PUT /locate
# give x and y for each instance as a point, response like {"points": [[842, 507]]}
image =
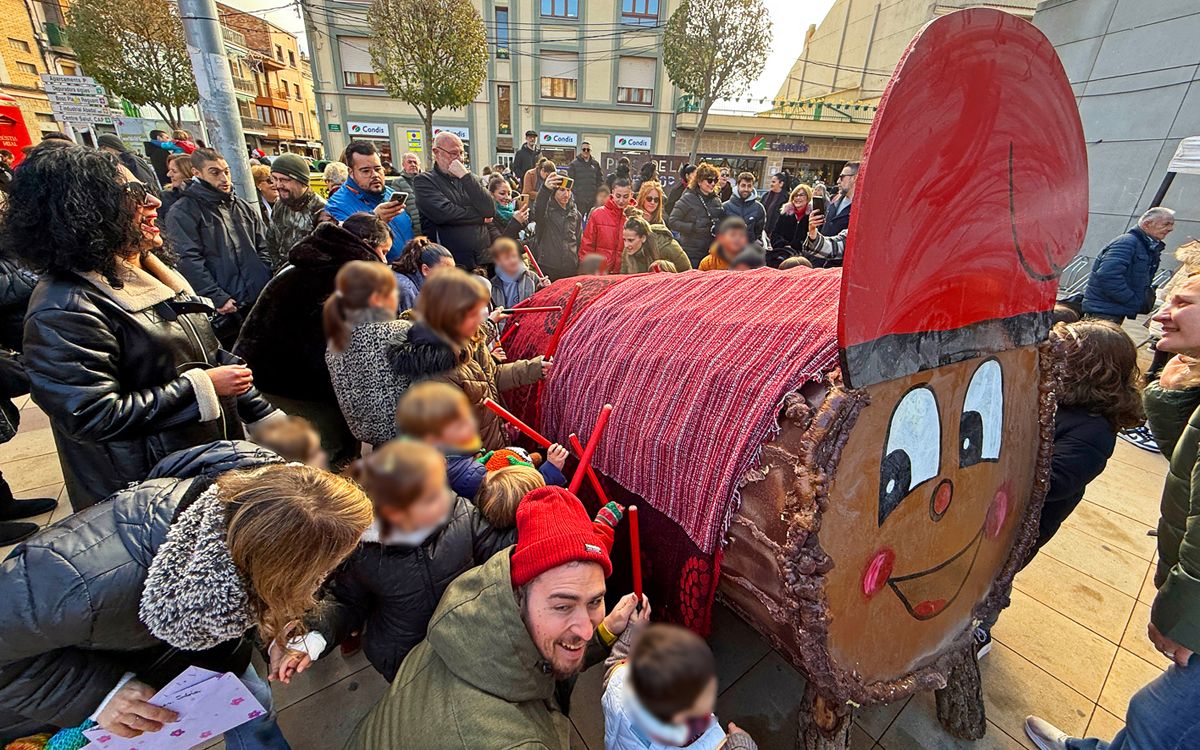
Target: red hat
{"points": [[554, 529]]}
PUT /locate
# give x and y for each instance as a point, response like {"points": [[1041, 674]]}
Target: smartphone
{"points": [[818, 204], [522, 199], [400, 196], [567, 184], [561, 170]]}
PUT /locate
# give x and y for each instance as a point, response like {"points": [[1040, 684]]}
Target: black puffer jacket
{"points": [[588, 178], [695, 217], [452, 214], [222, 245], [389, 591], [117, 371], [557, 235], [16, 287], [71, 593], [283, 338]]}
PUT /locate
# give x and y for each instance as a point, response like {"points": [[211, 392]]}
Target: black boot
{"points": [[12, 509], [12, 532]]}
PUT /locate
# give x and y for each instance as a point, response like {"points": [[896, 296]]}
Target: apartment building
{"points": [[21, 65], [573, 70]]}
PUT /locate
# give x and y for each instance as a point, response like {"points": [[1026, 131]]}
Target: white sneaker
{"points": [[1045, 735]]}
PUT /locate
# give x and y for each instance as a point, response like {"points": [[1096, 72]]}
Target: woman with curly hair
{"points": [[698, 213], [118, 347], [1100, 395], [421, 257], [650, 200]]}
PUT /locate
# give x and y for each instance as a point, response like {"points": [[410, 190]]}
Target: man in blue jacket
{"points": [[1119, 286], [365, 190], [745, 204]]}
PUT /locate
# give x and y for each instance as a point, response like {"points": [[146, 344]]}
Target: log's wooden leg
{"points": [[960, 703], [824, 723]]}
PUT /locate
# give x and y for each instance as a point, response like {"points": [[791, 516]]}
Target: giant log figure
{"points": [[856, 457]]}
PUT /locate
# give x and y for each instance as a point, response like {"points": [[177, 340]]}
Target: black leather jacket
{"points": [[108, 371], [70, 620]]}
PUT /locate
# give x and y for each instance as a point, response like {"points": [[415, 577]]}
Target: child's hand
{"points": [[286, 663], [546, 365], [621, 615], [544, 282], [498, 315], [499, 353], [556, 455]]}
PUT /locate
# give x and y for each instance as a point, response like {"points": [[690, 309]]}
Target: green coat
{"points": [[477, 681], [660, 245], [1174, 418]]}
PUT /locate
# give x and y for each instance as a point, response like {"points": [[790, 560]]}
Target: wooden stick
{"points": [[585, 461], [527, 310], [562, 321], [515, 421], [591, 473], [635, 549], [533, 262]]}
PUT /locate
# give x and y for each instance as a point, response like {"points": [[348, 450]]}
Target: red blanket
{"points": [[696, 366]]}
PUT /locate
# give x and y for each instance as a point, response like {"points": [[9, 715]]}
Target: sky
{"points": [[791, 20]]}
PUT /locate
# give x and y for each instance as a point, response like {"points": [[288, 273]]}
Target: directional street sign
{"points": [[78, 99]]}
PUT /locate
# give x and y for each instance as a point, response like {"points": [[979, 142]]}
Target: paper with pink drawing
{"points": [[208, 704]]}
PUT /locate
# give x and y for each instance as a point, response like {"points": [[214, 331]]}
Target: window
{"points": [[560, 73], [502, 33], [68, 69], [560, 8], [640, 12], [504, 109], [291, 58], [303, 125], [264, 113], [20, 45], [29, 68], [635, 80], [278, 53], [357, 70], [296, 89], [282, 117]]}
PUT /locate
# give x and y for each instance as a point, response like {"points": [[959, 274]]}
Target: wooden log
{"points": [[960, 704]]}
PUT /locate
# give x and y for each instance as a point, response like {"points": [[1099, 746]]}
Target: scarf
{"points": [[504, 213], [195, 598]]}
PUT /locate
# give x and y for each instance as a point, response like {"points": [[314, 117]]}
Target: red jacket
{"points": [[603, 234]]}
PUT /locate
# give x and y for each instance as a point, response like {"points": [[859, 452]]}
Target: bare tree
{"points": [[136, 50], [714, 49], [431, 54]]}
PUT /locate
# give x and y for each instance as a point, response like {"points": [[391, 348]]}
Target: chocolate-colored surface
{"points": [[809, 522]]}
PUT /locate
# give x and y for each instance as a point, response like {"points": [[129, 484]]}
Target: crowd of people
{"points": [[211, 385]]}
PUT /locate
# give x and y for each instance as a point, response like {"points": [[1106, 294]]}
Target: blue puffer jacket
{"points": [[1122, 274]]}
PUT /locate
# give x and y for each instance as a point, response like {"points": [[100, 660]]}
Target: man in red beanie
{"points": [[508, 638]]}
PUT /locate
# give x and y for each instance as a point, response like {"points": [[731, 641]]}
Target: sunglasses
{"points": [[709, 180], [586, 150], [138, 192], [651, 199]]}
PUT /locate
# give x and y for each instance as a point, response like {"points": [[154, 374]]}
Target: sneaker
{"points": [[1139, 437], [1045, 735], [14, 509], [983, 642], [12, 532]]}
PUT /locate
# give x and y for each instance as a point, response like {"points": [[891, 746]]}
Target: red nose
{"points": [[878, 571], [940, 502]]}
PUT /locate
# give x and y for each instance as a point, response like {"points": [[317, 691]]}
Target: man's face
{"points": [[287, 188], [447, 151], [846, 180], [622, 195], [561, 609], [367, 173], [776, 185], [215, 173], [745, 188], [1180, 320], [410, 164], [586, 151], [531, 140], [1159, 229]]}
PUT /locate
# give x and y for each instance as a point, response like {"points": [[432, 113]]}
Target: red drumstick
{"points": [[513, 326], [591, 473], [515, 421], [562, 321], [585, 461], [635, 548], [533, 262], [526, 310]]}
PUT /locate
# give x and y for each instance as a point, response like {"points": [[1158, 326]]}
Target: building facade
{"points": [[573, 70], [22, 62], [1135, 70]]}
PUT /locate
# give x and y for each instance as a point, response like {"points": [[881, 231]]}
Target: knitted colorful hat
{"points": [[505, 457], [554, 529]]}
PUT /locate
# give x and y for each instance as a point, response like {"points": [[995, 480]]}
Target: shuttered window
{"points": [[635, 80], [357, 70], [560, 75]]}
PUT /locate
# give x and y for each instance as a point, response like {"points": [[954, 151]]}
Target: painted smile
{"points": [[928, 593]]}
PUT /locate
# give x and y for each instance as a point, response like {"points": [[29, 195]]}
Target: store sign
{"points": [[760, 143], [462, 133], [558, 139], [414, 139], [632, 142], [335, 127], [369, 129]]}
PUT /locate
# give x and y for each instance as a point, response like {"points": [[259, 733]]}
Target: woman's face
{"points": [[502, 194], [633, 241], [472, 320], [800, 202], [563, 196], [146, 212], [176, 176], [707, 185], [267, 188], [650, 202], [383, 248], [442, 262]]}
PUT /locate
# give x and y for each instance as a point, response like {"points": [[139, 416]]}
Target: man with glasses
{"points": [[454, 204], [588, 177], [297, 208], [837, 218], [365, 190]]}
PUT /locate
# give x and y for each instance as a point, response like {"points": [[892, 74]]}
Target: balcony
{"points": [[253, 124], [244, 86], [233, 37], [280, 93], [56, 35]]}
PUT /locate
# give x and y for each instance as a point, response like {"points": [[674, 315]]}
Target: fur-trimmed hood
{"points": [[424, 354], [329, 244]]}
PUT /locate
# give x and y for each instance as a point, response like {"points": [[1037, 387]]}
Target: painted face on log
{"points": [[925, 506]]}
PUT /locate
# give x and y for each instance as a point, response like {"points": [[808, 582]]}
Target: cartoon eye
{"points": [[913, 451], [979, 431]]}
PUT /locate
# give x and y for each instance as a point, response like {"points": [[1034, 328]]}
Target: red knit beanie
{"points": [[553, 529]]}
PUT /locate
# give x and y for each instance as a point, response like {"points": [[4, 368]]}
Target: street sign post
{"points": [[78, 100]]}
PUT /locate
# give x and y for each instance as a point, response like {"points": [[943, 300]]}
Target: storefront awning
{"points": [[1187, 156]]}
